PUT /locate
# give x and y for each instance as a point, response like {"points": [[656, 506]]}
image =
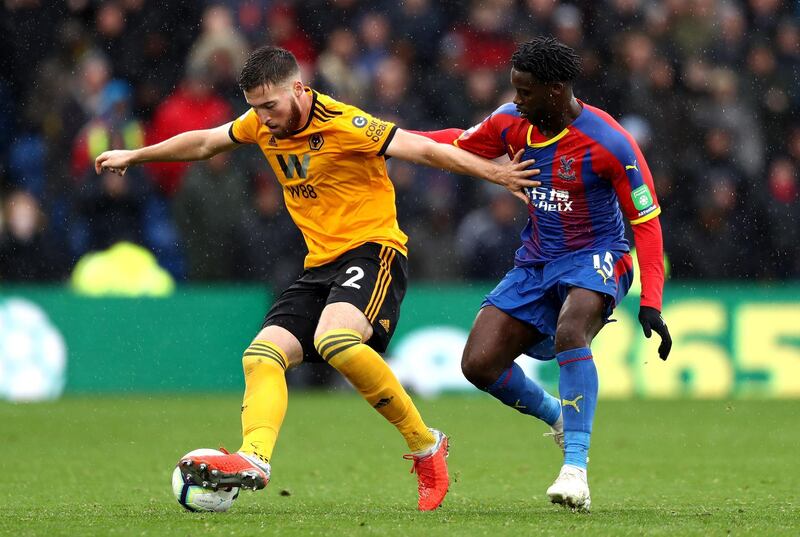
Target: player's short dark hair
{"points": [[267, 65], [547, 59]]}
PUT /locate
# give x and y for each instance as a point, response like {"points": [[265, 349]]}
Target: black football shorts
{"points": [[372, 277]]}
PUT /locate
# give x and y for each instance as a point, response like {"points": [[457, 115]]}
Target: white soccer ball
{"points": [[196, 498]]}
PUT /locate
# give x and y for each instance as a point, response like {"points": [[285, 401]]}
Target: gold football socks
{"points": [[375, 381], [265, 398]]}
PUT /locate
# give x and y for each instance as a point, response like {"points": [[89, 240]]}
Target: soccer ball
{"points": [[196, 498]]}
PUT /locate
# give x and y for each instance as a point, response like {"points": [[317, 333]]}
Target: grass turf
{"points": [[102, 465]]}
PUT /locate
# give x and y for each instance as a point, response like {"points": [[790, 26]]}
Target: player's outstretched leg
{"points": [[226, 470], [523, 394], [263, 410], [495, 341], [375, 381], [578, 389]]}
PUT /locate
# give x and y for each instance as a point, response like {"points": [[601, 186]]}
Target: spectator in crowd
{"points": [[434, 234], [446, 102], [724, 107], [417, 26], [486, 41], [769, 89], [266, 238], [28, 252], [730, 47], [194, 105], [489, 235], [714, 229], [284, 31], [86, 93], [221, 49], [375, 34], [337, 75], [716, 83], [207, 212], [568, 25], [481, 91], [783, 209], [391, 98], [112, 127]]}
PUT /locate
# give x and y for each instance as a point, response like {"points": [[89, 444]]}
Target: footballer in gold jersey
{"points": [[333, 174], [344, 307]]}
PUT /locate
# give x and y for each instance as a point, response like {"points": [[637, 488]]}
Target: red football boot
{"points": [[431, 469], [225, 470]]}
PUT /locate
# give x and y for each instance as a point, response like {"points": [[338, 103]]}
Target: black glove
{"points": [[650, 319]]}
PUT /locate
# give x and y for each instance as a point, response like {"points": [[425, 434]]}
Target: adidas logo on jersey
{"points": [[385, 323]]}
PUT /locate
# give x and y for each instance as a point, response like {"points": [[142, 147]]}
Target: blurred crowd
{"points": [[709, 88]]}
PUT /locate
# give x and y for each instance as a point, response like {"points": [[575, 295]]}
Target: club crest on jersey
{"points": [[360, 122], [315, 142], [565, 171]]}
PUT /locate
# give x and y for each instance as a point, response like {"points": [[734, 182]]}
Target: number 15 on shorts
{"points": [[604, 267]]}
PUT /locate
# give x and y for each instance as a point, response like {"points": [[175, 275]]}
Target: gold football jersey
{"points": [[333, 176]]}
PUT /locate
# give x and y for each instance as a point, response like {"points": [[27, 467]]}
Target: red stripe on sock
{"points": [[508, 377], [578, 359]]}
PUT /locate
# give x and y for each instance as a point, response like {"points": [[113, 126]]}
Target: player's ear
{"points": [[557, 88], [298, 88]]}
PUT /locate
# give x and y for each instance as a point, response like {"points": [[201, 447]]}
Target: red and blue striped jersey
{"points": [[592, 173]]}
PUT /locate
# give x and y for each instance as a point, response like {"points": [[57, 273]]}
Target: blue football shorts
{"points": [[535, 294]]}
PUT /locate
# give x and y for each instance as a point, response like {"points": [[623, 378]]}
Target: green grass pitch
{"points": [[101, 466]]}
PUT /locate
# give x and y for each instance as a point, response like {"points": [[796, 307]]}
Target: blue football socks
{"points": [[519, 392], [577, 386]]}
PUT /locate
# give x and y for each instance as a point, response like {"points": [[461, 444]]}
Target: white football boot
{"points": [[571, 489]]}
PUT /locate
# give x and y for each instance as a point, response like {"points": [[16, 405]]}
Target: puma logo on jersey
{"points": [[519, 406], [573, 403], [633, 166]]}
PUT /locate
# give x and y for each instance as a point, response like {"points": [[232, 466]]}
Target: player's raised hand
{"points": [[116, 161], [651, 321], [517, 175]]}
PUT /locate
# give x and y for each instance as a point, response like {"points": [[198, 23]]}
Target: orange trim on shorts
{"points": [[381, 284]]}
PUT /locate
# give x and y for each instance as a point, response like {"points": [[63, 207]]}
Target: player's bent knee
{"points": [[474, 370], [340, 316], [333, 342], [262, 352], [569, 336]]}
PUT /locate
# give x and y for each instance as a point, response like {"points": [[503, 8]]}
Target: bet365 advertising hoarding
{"points": [[729, 341]]}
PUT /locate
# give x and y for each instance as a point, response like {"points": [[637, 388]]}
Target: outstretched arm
{"points": [[515, 175], [444, 136], [190, 145]]}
